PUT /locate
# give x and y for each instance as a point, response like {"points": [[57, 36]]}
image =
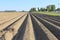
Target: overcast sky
{"points": [[25, 4]]}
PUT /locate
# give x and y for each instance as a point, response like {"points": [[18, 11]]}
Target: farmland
{"points": [[29, 26]]}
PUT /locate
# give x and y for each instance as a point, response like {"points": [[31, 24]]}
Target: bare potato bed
{"points": [[5, 16], [6, 19], [25, 26]]}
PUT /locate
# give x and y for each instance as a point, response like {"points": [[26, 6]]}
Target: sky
{"points": [[20, 5]]}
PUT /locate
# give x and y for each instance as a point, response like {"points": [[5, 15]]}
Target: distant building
{"points": [[56, 10]]}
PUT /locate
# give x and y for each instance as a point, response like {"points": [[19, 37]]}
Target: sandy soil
{"points": [[9, 18]]}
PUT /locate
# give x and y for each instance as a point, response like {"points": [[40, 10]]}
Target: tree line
{"points": [[48, 8]]}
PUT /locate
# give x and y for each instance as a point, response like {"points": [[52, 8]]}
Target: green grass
{"points": [[51, 13]]}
